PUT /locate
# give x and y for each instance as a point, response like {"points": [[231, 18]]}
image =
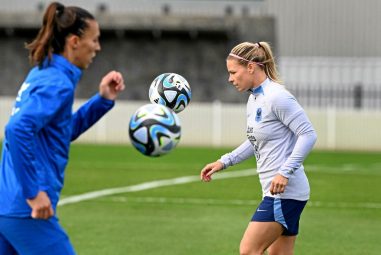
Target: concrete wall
{"points": [[140, 59], [141, 56], [224, 124]]}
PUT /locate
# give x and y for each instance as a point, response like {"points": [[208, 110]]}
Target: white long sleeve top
{"points": [[280, 136]]}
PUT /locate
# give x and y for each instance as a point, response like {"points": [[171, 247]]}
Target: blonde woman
{"points": [[280, 136]]}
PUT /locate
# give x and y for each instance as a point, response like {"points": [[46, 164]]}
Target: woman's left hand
{"points": [[111, 85], [278, 184]]}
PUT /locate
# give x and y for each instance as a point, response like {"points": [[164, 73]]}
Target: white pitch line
{"points": [[150, 185], [177, 200], [184, 180]]}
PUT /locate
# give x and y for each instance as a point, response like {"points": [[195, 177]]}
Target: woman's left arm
{"points": [[94, 109], [291, 114]]}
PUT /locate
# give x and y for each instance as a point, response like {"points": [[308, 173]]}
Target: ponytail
{"points": [[260, 53], [58, 22]]}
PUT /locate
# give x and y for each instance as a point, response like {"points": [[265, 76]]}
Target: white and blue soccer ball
{"points": [[171, 90], [154, 130]]}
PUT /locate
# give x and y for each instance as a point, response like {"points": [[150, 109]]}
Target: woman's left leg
{"points": [[284, 245], [259, 236]]}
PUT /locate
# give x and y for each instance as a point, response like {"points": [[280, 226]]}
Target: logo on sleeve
{"points": [[23, 88]]}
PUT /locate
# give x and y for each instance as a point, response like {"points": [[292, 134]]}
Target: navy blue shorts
{"points": [[285, 211], [33, 237]]}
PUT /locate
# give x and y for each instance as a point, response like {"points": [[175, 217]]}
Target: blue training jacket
{"points": [[38, 135]]}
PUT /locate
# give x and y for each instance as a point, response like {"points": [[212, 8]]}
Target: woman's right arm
{"points": [[241, 153]]}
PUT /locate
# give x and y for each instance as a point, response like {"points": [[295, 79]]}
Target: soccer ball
{"points": [[154, 130], [171, 90]]}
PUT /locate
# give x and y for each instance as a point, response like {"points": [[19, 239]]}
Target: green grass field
{"points": [[342, 217]]}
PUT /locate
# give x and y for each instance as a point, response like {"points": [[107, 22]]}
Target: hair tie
{"points": [[59, 9]]}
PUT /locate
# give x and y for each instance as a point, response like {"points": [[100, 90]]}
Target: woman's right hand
{"points": [[41, 206], [209, 169]]}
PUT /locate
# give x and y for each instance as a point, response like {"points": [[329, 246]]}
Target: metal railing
{"points": [[354, 96]]}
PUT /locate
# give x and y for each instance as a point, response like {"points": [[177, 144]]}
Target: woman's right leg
{"points": [[5, 247], [259, 236], [35, 237]]}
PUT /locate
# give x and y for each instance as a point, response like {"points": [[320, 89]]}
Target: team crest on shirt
{"points": [[258, 116]]}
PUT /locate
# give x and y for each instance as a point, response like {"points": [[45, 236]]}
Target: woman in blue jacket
{"points": [[41, 126]]}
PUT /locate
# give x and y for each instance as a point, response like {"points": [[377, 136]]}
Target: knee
{"points": [[243, 251], [246, 250], [272, 251]]}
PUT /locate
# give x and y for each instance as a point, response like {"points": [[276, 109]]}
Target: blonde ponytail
{"points": [[260, 53]]}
